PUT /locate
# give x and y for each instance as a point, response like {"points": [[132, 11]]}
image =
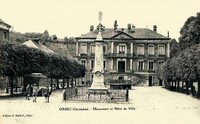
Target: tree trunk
{"points": [[187, 87], [178, 85], [7, 86], [72, 83], [67, 82], [16, 84], [198, 92], [166, 84], [182, 86], [24, 86], [63, 83], [11, 85], [51, 82], [172, 85], [75, 82], [175, 88], [192, 88], [57, 86]]}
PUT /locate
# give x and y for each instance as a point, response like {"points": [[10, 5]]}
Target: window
{"points": [[92, 77], [161, 49], [104, 49], [140, 49], [92, 64], [151, 49], [160, 62], [121, 78], [4, 35], [141, 65], [104, 64], [83, 62], [84, 48], [121, 49], [121, 66], [92, 49], [151, 66]]}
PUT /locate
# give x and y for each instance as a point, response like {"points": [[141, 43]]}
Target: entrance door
{"points": [[160, 82], [150, 80], [121, 66]]}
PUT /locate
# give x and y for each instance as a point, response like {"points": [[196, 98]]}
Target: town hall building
{"points": [[130, 54]]}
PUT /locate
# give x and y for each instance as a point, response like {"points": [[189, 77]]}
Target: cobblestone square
{"points": [[147, 105]]}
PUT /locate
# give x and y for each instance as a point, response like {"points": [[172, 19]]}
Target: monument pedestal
{"points": [[98, 91]]}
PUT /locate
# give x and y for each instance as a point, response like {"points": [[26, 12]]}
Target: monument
{"points": [[98, 86]]}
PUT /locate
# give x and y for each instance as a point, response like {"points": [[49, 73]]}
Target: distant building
{"points": [[130, 53], [4, 30], [37, 45]]}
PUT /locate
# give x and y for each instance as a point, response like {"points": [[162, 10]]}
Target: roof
{"points": [[31, 44], [4, 25], [2, 21], [138, 33], [40, 46]]}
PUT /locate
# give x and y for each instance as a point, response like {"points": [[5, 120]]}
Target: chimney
{"points": [[115, 25], [91, 27], [155, 28], [168, 34], [129, 28]]}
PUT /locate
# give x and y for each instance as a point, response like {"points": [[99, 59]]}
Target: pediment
{"points": [[122, 35]]}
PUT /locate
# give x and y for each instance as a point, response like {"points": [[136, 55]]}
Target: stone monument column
{"points": [[98, 72]]}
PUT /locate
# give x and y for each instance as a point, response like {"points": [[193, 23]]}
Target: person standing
{"points": [[35, 92], [28, 92], [47, 94]]}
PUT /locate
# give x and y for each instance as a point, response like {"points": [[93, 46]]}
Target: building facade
{"points": [[130, 54], [4, 30]]}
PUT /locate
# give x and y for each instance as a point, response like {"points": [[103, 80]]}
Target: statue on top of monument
{"points": [[100, 16]]}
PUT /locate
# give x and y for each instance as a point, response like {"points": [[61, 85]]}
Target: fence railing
{"points": [[83, 94], [69, 93]]}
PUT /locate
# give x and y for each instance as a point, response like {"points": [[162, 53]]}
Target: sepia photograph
{"points": [[99, 61]]}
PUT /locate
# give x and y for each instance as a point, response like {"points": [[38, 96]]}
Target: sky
{"points": [[74, 17]]}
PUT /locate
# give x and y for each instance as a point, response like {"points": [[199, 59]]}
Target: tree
{"points": [[174, 48], [30, 35], [185, 67], [190, 32], [66, 39], [53, 38], [70, 40], [19, 60], [18, 37], [45, 37], [12, 62]]}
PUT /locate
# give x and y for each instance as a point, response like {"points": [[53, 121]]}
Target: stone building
{"points": [[130, 54], [4, 30]]}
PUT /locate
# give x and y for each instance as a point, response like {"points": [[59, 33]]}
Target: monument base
{"points": [[98, 90]]}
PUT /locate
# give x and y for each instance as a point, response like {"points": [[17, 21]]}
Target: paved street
{"points": [[147, 105]]}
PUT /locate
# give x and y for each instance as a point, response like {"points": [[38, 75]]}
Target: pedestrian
{"points": [[64, 94], [47, 94], [35, 92], [28, 92], [50, 90]]}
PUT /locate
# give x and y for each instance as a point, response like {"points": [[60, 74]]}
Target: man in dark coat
{"points": [[28, 92], [47, 94]]}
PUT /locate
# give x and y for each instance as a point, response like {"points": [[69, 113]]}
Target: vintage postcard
{"points": [[99, 61]]}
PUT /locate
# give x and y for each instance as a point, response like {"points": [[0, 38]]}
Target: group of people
{"points": [[33, 91]]}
